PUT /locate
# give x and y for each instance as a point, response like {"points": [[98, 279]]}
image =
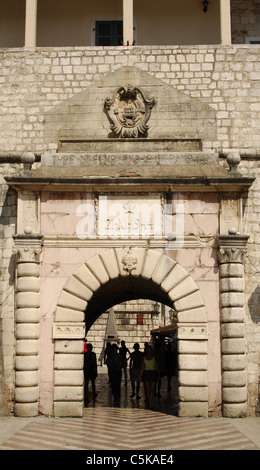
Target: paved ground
{"points": [[129, 426]]}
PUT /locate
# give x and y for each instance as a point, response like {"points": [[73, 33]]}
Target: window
{"points": [[109, 33]]}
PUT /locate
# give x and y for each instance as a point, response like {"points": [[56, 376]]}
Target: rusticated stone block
{"points": [[69, 346], [27, 346], [26, 410], [192, 347], [193, 378], [68, 393], [192, 362], [27, 315], [234, 378], [27, 330], [233, 361], [231, 270], [28, 284], [68, 377], [233, 284], [233, 330], [232, 314], [28, 269], [68, 408], [28, 300], [234, 410], [193, 409], [27, 362], [68, 361], [26, 378], [233, 346], [232, 299], [26, 394], [193, 393], [234, 394]]}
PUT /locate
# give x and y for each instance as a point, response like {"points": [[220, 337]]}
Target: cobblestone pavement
{"points": [[129, 426]]}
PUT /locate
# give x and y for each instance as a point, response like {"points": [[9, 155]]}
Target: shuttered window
{"points": [[109, 33]]}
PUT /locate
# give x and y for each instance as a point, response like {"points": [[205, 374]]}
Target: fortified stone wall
{"points": [[226, 78]]}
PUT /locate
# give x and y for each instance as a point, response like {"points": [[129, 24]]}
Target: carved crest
{"points": [[128, 112], [129, 262]]}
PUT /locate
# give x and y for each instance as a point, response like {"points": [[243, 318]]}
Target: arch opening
{"points": [[121, 290], [117, 275]]}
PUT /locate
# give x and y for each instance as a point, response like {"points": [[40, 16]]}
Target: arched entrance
{"points": [[128, 273]]}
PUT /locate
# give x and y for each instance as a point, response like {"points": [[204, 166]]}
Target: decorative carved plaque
{"points": [[192, 331], [128, 112], [68, 330]]}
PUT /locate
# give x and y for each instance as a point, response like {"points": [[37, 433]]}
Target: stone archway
{"points": [[69, 325]]}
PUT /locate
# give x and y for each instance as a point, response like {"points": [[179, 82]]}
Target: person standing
{"points": [[149, 374], [123, 352], [90, 371], [114, 364], [134, 368]]}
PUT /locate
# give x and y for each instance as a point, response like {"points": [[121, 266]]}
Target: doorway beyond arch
{"points": [[127, 273]]}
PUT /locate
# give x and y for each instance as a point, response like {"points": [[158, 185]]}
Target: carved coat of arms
{"points": [[128, 112]]}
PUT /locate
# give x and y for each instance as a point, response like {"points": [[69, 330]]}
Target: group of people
{"points": [[148, 367]]}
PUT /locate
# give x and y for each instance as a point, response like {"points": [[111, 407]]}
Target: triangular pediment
{"points": [[175, 115]]}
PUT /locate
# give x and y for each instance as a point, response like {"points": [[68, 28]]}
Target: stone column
{"points": [[232, 249], [27, 248], [128, 22], [30, 23], [225, 22]]}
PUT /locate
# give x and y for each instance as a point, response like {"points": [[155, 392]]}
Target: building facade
{"points": [[129, 156]]}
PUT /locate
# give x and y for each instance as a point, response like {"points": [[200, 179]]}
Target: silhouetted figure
{"points": [[123, 350], [136, 358], [149, 373], [106, 355], [90, 371], [114, 364], [160, 359], [171, 363]]}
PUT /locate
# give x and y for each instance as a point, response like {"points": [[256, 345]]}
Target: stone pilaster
{"points": [[68, 368], [27, 249], [232, 250]]}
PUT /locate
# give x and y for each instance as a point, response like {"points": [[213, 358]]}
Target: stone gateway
{"points": [[130, 184]]}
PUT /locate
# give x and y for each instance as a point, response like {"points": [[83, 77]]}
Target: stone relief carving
{"points": [[129, 262], [69, 330], [128, 112]]}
